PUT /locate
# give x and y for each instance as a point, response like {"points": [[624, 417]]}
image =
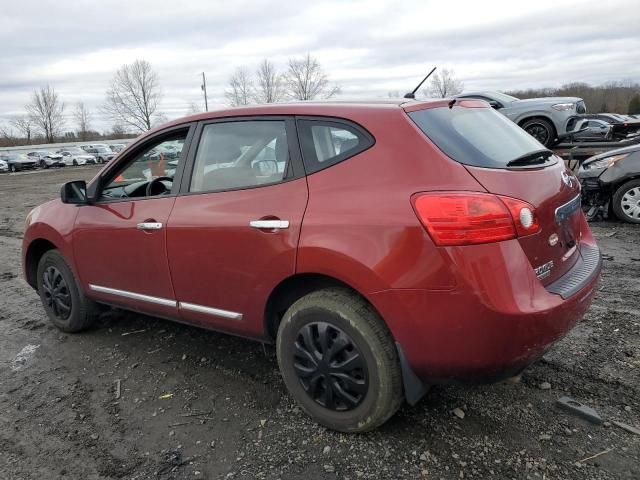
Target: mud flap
{"points": [[414, 388]]}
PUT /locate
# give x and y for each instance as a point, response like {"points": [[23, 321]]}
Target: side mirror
{"points": [[495, 104], [74, 193]]}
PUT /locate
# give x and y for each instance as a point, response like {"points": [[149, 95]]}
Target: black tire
{"points": [[540, 129], [75, 163], [12, 168], [626, 202], [80, 312], [100, 160], [43, 164], [373, 383]]}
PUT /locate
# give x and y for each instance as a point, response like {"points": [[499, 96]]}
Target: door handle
{"points": [[149, 226], [269, 224]]}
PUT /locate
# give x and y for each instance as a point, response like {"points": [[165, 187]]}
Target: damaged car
{"points": [[611, 183]]}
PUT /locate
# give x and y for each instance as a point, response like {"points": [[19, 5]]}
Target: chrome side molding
{"points": [[210, 311], [217, 312], [134, 296]]}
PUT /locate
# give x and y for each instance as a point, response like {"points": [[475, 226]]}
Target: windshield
{"points": [[16, 156], [475, 136], [103, 150], [75, 150]]}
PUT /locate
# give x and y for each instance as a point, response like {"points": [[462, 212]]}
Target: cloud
{"points": [[368, 47]]}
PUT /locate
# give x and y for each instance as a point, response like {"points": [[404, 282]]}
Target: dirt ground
{"points": [[197, 404]]}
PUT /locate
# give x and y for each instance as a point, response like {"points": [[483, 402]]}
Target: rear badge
{"points": [[553, 239], [543, 271]]}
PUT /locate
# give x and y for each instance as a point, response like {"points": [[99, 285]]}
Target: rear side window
{"points": [[325, 143], [240, 154], [480, 137]]}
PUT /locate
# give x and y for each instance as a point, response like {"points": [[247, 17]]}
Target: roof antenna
{"points": [[413, 94]]}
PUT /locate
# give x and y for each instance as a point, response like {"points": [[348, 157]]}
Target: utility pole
{"points": [[204, 89]]}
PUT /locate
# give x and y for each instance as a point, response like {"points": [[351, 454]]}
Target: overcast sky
{"points": [[367, 47]]}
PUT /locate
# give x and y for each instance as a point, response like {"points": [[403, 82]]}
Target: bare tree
{"points": [[240, 88], [45, 111], [133, 97], [305, 79], [83, 119], [193, 108], [269, 84], [445, 84], [7, 138], [24, 125]]}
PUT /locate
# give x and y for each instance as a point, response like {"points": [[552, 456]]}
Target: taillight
{"points": [[523, 214], [467, 218]]}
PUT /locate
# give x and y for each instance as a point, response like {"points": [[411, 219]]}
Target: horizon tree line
{"points": [[133, 97]]}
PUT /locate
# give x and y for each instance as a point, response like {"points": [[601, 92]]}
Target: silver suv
{"points": [[548, 119]]}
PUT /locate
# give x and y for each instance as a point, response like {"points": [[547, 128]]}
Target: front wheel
{"points": [[75, 163], [13, 169], [43, 164], [540, 129], [66, 306], [338, 361], [626, 202]]}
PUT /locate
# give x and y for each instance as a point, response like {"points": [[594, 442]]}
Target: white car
{"points": [[4, 166], [76, 156]]}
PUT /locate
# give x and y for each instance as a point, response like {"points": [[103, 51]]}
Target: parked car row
{"points": [[65, 157], [554, 119]]}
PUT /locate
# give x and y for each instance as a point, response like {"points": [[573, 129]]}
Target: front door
{"points": [[233, 234], [120, 241]]}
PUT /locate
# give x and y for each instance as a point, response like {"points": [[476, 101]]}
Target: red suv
{"points": [[383, 246]]}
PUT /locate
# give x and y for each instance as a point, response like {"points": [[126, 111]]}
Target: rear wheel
{"points": [[12, 168], [338, 361], [43, 164], [540, 129], [67, 308], [626, 202]]}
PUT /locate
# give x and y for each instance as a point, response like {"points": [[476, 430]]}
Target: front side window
{"points": [[325, 143], [240, 154], [149, 172]]}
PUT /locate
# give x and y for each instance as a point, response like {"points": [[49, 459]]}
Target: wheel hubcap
{"points": [[330, 367], [539, 132], [631, 203], [56, 293]]}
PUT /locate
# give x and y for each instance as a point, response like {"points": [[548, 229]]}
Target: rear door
{"points": [[487, 143], [233, 233]]}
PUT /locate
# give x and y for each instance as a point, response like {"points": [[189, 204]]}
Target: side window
{"points": [[137, 176], [325, 143], [240, 154]]}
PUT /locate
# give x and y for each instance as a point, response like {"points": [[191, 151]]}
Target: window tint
{"points": [[326, 143], [157, 160], [475, 136], [240, 154]]}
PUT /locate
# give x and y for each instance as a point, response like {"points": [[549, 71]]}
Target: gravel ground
{"points": [[197, 404]]}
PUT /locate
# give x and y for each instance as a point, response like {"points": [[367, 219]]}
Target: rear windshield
{"points": [[480, 137]]}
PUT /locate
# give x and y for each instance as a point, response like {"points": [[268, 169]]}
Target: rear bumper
{"points": [[495, 322]]}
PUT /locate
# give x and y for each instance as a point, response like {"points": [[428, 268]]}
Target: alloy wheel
{"points": [[631, 203], [56, 293], [539, 132], [329, 366]]}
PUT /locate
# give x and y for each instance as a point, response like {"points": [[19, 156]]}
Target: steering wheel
{"points": [[153, 187]]}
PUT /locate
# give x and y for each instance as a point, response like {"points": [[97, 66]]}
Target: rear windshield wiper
{"points": [[531, 158]]}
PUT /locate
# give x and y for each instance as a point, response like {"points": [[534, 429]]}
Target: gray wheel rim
{"points": [[56, 293], [539, 132], [630, 203]]}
